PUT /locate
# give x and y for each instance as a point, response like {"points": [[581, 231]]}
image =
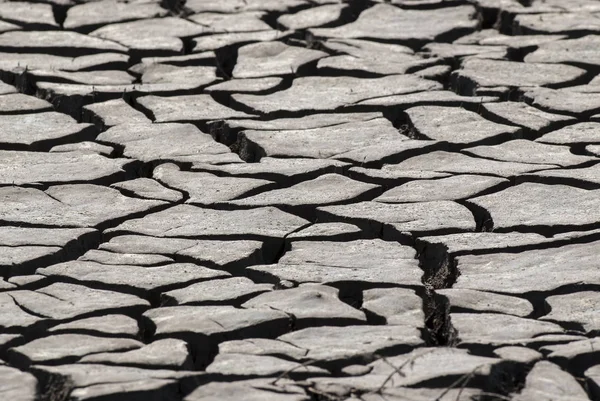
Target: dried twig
{"points": [[398, 369], [499, 396], [462, 381], [290, 370]]}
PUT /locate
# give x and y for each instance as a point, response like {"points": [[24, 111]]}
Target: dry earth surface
{"points": [[264, 200]]}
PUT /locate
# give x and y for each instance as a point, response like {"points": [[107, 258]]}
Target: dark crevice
{"points": [[438, 324], [29, 26], [373, 318], [488, 16], [60, 13], [580, 149], [309, 212], [439, 267], [505, 379], [583, 80], [52, 387], [185, 194], [25, 309], [578, 363], [549, 231], [483, 218], [226, 59], [176, 7], [548, 180], [358, 173], [488, 191], [147, 112], [283, 180], [399, 156]]}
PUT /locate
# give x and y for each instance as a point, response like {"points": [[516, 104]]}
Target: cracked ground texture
{"points": [[300, 200]]}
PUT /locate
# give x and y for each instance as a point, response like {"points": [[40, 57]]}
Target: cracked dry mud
{"points": [[296, 200]]}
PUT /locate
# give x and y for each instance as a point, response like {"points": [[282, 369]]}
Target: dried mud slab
{"points": [[311, 17], [324, 190], [137, 279], [59, 43], [499, 329], [459, 163], [523, 151], [421, 218], [17, 385], [311, 305], [363, 56], [187, 108], [399, 306], [24, 14], [330, 93], [341, 345], [191, 221], [490, 73], [587, 177], [523, 115], [206, 188], [463, 300], [272, 58], [64, 347], [147, 188], [451, 188], [323, 262], [562, 385], [286, 171], [89, 381], [150, 36], [18, 103], [214, 292], [41, 130], [61, 301], [456, 125], [84, 17], [533, 270], [419, 366], [386, 22], [563, 101], [39, 60], [161, 354], [582, 51], [317, 143], [109, 324], [79, 205], [231, 6], [581, 133], [538, 207], [225, 253], [574, 308], [551, 23], [217, 22], [252, 389], [169, 142]]}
